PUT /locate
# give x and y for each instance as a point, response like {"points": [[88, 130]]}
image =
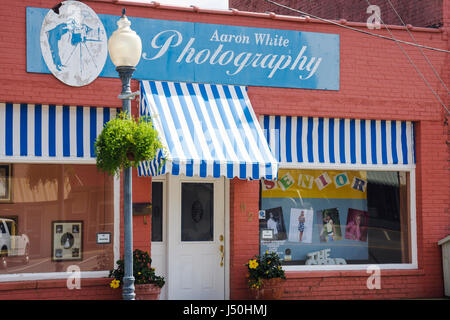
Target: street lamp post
{"points": [[125, 49]]}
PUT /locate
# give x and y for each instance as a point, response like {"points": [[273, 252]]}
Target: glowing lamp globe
{"points": [[124, 45]]}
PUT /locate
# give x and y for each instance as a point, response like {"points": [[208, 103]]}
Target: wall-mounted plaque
{"points": [[142, 209], [103, 237]]}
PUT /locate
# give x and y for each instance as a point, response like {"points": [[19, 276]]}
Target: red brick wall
{"points": [[376, 82], [244, 233], [352, 285], [142, 228], [446, 71], [90, 289], [415, 12]]}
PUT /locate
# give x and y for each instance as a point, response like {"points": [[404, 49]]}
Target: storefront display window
{"points": [[323, 217], [56, 216]]}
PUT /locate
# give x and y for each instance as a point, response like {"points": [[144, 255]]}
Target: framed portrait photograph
{"points": [[330, 226], [274, 220], [5, 182], [67, 240], [357, 225]]}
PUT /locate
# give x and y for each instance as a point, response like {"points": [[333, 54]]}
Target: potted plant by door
{"points": [[147, 284], [124, 142], [265, 276]]}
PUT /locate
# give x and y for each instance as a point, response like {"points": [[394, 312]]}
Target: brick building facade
{"points": [[427, 14]]}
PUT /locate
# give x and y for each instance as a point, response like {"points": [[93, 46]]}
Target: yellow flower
{"points": [[267, 251], [115, 284], [253, 264], [139, 272], [255, 286]]}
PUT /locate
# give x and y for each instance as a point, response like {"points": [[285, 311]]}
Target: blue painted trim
{"points": [[52, 130], [23, 129], [38, 130], [9, 129]]}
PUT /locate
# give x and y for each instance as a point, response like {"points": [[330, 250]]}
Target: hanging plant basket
{"points": [[130, 156], [124, 142]]}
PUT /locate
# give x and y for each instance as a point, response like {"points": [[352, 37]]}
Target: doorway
{"points": [[193, 252]]}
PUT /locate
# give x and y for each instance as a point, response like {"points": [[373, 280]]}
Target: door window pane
{"points": [[157, 211], [197, 212]]}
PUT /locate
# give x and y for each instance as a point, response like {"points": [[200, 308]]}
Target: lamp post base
{"points": [[128, 288]]}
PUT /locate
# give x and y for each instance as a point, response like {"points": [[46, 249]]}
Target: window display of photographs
{"points": [[274, 220], [330, 226], [357, 224], [67, 240]]}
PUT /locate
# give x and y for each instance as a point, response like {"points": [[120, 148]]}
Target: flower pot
{"points": [[148, 291], [271, 289]]}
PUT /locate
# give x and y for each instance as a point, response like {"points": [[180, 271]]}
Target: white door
{"points": [[196, 225]]}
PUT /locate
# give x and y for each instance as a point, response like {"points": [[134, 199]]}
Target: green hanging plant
{"points": [[124, 142]]}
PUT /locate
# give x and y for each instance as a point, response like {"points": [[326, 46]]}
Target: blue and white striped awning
{"points": [[339, 141], [207, 130], [50, 132]]}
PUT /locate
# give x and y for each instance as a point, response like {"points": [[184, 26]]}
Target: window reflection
{"points": [[53, 218]]}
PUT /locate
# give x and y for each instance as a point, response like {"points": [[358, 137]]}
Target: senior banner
{"points": [[307, 211]]}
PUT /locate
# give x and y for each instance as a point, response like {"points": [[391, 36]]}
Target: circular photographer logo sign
{"points": [[73, 43]]}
